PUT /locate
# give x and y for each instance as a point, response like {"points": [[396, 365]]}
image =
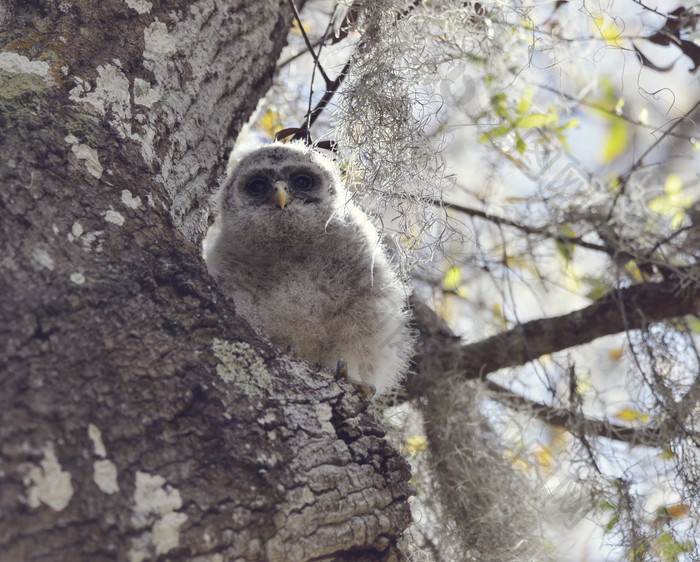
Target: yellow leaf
{"points": [[415, 444], [670, 204], [527, 23], [626, 414], [632, 268], [673, 184], [607, 28], [615, 140], [619, 105], [677, 219], [666, 454], [526, 101], [583, 385], [535, 120], [517, 462], [677, 510], [269, 123], [544, 457], [462, 291], [613, 185], [673, 203], [295, 27], [452, 279], [572, 281], [545, 359]]}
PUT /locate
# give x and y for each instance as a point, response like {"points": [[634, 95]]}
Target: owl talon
{"points": [[364, 388], [342, 369]]}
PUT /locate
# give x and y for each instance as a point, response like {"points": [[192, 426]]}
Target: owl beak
{"points": [[281, 194]]}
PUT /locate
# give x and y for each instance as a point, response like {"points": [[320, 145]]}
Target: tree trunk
{"points": [[139, 418]]}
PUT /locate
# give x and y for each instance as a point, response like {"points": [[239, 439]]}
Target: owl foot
{"points": [[364, 388]]}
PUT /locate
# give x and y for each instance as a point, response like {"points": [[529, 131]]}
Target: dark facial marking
{"points": [[301, 182], [257, 186]]}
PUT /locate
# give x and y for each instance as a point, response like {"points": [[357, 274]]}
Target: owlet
{"points": [[305, 266]]}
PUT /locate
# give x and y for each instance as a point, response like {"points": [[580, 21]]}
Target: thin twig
{"points": [[309, 46], [578, 425], [623, 178], [495, 219]]}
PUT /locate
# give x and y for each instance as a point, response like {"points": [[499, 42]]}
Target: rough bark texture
{"points": [[139, 419]]}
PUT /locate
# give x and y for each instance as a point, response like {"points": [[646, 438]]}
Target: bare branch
{"points": [[495, 219], [624, 309], [580, 426], [656, 142], [309, 46], [331, 86]]}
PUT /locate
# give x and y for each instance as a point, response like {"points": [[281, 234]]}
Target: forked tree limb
{"points": [[625, 309]]}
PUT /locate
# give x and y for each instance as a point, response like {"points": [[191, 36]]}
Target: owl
{"points": [[306, 267]]}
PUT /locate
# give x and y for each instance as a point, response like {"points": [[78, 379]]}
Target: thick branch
{"points": [[625, 309]]}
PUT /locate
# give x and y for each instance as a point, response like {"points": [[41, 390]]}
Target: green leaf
{"points": [[498, 102], [570, 124], [613, 521], [598, 290], [564, 249], [672, 549], [525, 102], [495, 133], [562, 140], [534, 120]]}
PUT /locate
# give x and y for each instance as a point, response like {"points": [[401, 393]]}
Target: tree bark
{"points": [[139, 418]]}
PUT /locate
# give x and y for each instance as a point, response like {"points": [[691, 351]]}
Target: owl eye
{"points": [[301, 182], [256, 187]]}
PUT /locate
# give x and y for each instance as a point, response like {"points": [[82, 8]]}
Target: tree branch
{"points": [[624, 309], [331, 86], [581, 426], [495, 219]]}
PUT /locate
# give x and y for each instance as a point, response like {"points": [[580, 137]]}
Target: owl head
{"points": [[280, 177]]}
